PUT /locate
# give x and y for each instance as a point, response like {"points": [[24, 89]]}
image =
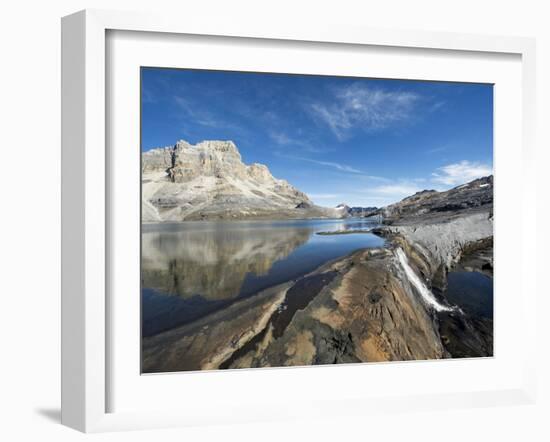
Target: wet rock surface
{"points": [[353, 310], [477, 257], [466, 337], [364, 315], [208, 342]]}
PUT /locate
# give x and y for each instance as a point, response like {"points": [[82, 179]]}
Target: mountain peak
{"points": [[343, 207], [209, 180]]}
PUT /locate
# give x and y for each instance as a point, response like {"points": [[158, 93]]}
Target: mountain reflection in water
{"points": [[190, 269]]}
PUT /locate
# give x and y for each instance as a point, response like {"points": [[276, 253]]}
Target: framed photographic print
{"points": [[257, 216]]}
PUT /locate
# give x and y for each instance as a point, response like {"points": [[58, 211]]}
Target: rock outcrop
{"points": [[210, 181], [432, 206], [441, 225], [366, 313], [363, 212], [209, 341], [442, 243], [443, 232], [358, 309]]}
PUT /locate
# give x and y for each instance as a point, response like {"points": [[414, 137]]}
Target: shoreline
{"points": [[250, 219], [342, 232]]}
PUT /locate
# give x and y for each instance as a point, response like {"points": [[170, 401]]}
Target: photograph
{"points": [[246, 221], [302, 220]]}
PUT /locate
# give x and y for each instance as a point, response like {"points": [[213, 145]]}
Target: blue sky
{"points": [[365, 142]]}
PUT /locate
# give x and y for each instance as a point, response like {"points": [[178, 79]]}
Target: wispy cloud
{"points": [[397, 190], [324, 196], [284, 140], [437, 149], [359, 174], [460, 173], [437, 105], [442, 179], [366, 107], [375, 178], [332, 164], [202, 117], [281, 138], [393, 191], [198, 116], [147, 95]]}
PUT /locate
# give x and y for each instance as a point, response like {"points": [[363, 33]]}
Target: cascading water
{"points": [[424, 291]]}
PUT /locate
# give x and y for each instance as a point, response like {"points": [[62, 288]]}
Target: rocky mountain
{"points": [[343, 209], [431, 205], [210, 181], [362, 211]]}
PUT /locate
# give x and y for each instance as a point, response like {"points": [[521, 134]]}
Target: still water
{"points": [[191, 269], [472, 292]]}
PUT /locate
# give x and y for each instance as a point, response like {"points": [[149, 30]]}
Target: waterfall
{"points": [[424, 291]]}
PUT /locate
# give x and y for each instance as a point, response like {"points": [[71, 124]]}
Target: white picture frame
{"points": [[87, 207]]}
